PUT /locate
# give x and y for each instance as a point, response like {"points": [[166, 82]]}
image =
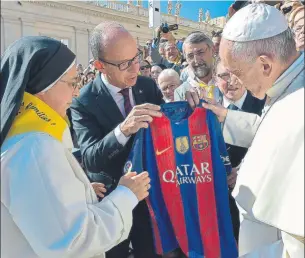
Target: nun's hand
{"points": [[139, 184], [99, 189]]}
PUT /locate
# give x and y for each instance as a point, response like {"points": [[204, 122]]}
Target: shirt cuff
{"points": [[121, 138], [123, 197]]}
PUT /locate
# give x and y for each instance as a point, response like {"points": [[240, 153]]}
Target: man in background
{"points": [[168, 81], [198, 51]]}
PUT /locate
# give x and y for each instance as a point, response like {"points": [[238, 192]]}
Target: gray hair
{"points": [[280, 47], [169, 73], [197, 38], [100, 34], [168, 43]]}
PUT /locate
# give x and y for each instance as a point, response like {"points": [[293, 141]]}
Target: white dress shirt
{"points": [[239, 103], [119, 100]]}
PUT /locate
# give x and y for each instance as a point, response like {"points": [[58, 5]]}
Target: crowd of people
{"points": [[250, 75]]}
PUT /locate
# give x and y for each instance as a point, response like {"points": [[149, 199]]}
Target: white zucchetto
{"points": [[255, 22]]}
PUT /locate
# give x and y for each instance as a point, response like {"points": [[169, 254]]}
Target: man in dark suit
{"points": [[107, 114], [235, 97]]}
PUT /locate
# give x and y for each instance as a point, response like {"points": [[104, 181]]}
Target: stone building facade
{"points": [[72, 21]]}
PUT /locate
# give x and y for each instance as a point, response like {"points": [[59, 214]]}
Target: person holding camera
{"points": [[172, 55]]}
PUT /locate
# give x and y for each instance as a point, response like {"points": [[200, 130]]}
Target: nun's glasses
{"points": [[73, 85]]}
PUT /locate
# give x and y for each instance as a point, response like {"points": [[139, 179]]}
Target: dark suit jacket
{"points": [[251, 105], [95, 116]]}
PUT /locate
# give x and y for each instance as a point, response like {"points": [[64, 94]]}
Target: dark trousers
{"points": [[140, 236], [234, 216]]}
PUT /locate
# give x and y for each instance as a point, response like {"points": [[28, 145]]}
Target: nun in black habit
{"points": [[48, 206]]}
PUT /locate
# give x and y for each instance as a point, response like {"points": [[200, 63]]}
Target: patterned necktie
{"points": [[127, 103], [233, 107]]}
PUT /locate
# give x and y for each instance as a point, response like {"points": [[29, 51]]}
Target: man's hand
{"points": [[169, 36], [138, 184], [139, 117], [232, 178], [99, 189], [193, 99]]}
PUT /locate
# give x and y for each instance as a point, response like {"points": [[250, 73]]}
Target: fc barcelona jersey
{"points": [[185, 156]]}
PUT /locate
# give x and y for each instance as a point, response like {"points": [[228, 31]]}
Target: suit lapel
{"points": [[107, 104], [138, 94]]}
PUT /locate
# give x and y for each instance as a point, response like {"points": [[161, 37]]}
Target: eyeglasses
{"points": [[199, 53], [169, 87], [225, 76], [126, 64], [73, 85], [145, 67]]}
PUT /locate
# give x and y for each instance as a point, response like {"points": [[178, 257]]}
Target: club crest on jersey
{"points": [[127, 167], [200, 142], [182, 144]]}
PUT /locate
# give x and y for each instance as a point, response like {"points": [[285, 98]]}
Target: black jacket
{"points": [[95, 116]]}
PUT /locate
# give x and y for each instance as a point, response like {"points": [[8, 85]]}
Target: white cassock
{"points": [[270, 186], [49, 208]]}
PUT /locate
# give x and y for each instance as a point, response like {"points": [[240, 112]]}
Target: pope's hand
{"points": [[217, 109], [137, 183], [99, 189]]}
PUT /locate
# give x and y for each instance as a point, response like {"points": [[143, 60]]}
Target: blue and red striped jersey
{"points": [[185, 155]]}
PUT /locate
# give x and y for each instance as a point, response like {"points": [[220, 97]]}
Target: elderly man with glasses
{"points": [[108, 112]]}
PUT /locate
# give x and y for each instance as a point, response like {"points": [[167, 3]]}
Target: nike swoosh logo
{"points": [[161, 152]]}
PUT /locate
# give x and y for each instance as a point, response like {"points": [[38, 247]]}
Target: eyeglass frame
{"points": [[74, 85], [169, 87], [130, 61], [191, 59], [225, 74]]}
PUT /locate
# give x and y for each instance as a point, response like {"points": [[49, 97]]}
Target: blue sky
{"points": [[190, 9]]}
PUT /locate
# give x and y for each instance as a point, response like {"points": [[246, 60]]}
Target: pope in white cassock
{"points": [[259, 49], [48, 206]]}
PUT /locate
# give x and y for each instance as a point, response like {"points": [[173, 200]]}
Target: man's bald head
{"points": [[104, 35]]}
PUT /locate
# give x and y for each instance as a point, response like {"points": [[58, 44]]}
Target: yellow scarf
{"points": [[177, 61], [209, 89], [36, 116]]}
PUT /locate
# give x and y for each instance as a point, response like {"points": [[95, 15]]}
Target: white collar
{"points": [[239, 103], [113, 89], [285, 79]]}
